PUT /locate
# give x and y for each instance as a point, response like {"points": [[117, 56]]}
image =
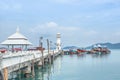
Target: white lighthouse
{"points": [[58, 44]]}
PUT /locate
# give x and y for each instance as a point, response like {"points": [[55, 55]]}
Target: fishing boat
{"points": [[3, 50], [81, 50], [98, 49]]}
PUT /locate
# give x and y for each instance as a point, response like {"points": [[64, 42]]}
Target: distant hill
{"points": [[109, 45], [70, 47]]}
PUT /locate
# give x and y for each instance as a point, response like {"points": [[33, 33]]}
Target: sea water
{"points": [[85, 67]]}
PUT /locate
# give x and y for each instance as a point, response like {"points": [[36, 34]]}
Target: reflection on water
{"points": [[81, 67], [100, 55], [48, 70], [41, 73]]}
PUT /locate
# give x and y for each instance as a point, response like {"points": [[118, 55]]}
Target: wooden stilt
{"points": [[1, 75], [28, 71], [53, 55], [33, 71], [5, 72], [42, 60]]}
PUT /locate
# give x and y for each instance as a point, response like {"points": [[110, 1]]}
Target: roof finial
{"points": [[17, 30]]}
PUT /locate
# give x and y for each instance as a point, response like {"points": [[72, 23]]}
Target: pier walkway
{"points": [[10, 62], [21, 57]]}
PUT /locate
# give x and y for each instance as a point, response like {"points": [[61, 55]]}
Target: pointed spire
{"points": [[17, 30]]}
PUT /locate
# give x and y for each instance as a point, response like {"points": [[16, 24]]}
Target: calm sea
{"points": [[86, 67]]}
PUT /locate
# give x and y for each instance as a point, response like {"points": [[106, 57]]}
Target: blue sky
{"points": [[80, 22]]}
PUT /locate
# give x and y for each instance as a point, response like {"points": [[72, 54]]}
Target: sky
{"points": [[80, 22]]}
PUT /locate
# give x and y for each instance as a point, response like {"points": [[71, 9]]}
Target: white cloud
{"points": [[91, 33], [79, 36], [70, 34], [51, 24], [49, 30], [10, 6], [117, 34], [86, 2], [100, 1], [52, 27], [106, 1], [88, 16], [71, 2], [16, 6], [3, 6]]}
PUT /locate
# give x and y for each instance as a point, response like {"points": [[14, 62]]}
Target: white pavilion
{"points": [[17, 39]]}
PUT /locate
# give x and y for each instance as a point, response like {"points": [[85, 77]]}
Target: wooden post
{"points": [[53, 55], [52, 58], [5, 72], [42, 75], [42, 55], [8, 48], [41, 45], [42, 58], [25, 47], [33, 71], [1, 75], [28, 71], [49, 55], [62, 52], [12, 48]]}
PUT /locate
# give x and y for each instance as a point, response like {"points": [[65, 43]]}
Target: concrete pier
{"points": [[15, 59], [19, 60]]}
